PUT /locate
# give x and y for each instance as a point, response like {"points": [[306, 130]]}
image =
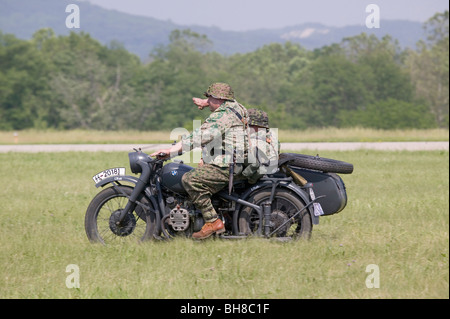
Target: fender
{"points": [[268, 184], [113, 179], [305, 198]]}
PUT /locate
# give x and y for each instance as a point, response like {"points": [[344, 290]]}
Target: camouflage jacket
{"points": [[263, 154], [222, 136]]}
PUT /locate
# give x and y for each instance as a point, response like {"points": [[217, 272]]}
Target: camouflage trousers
{"points": [[203, 182]]}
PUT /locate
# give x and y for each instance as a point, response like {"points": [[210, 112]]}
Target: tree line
{"points": [[74, 82]]}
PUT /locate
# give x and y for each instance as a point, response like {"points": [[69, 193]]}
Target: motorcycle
{"points": [[154, 205]]}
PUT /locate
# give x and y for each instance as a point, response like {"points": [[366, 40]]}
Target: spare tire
{"points": [[326, 165]]}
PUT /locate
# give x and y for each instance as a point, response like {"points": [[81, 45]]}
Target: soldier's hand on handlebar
{"points": [[161, 154], [166, 153]]}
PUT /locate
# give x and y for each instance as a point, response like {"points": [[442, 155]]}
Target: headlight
{"points": [[134, 158]]}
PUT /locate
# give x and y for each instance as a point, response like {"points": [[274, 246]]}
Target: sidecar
{"points": [[322, 174]]}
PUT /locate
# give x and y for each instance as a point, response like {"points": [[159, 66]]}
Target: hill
{"points": [[141, 35]]}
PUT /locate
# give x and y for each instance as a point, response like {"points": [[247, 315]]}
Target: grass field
{"points": [[286, 136], [397, 218]]}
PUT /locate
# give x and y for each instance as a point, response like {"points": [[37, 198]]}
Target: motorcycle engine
{"points": [[179, 218]]}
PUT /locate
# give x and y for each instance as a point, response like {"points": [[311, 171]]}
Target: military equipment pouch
{"points": [[251, 172], [238, 169]]}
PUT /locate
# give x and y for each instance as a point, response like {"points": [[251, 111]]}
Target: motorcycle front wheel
{"points": [[102, 218], [284, 206]]}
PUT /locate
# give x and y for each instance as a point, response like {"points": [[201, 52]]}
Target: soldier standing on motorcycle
{"points": [[224, 136]]}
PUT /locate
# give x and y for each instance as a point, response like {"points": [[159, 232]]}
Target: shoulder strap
{"points": [[239, 116], [235, 112], [244, 123]]}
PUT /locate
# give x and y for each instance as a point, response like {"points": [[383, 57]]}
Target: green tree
{"points": [[429, 68], [76, 82], [23, 84], [91, 83], [358, 73], [390, 114], [338, 85], [176, 73], [272, 78]]}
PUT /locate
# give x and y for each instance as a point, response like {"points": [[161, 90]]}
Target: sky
{"points": [[244, 15]]}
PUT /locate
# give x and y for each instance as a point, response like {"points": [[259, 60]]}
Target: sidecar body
{"points": [[329, 184]]}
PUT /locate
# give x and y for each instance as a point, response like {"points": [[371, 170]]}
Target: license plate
{"points": [[118, 171]]}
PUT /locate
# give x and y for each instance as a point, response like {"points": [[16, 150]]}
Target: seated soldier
{"points": [[227, 116], [264, 147]]}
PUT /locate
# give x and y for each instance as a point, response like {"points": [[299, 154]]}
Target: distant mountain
{"points": [[141, 34]]}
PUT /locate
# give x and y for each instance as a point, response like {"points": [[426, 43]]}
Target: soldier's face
{"points": [[214, 103]]}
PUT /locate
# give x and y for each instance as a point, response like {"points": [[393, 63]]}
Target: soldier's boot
{"points": [[215, 227]]}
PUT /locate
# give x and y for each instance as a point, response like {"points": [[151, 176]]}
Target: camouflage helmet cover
{"points": [[258, 118], [221, 91]]}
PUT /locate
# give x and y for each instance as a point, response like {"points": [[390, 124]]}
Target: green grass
{"points": [[397, 217], [286, 136]]}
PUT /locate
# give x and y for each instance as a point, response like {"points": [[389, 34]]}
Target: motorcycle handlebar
{"points": [[162, 157], [166, 157]]}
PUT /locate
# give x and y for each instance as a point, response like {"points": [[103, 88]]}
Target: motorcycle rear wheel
{"points": [[284, 205], [102, 215]]}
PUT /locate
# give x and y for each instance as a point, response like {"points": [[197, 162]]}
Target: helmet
{"points": [[258, 118], [221, 91]]}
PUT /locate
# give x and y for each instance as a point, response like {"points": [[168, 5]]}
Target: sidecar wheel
{"points": [[101, 220], [323, 164], [284, 205]]}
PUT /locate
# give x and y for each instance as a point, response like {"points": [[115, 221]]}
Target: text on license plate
{"points": [[118, 171]]}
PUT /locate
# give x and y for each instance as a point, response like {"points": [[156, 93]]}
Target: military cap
{"points": [[221, 91], [258, 118]]}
